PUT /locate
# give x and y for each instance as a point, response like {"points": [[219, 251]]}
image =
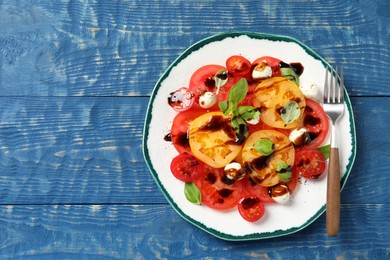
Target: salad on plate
{"points": [[246, 133]]}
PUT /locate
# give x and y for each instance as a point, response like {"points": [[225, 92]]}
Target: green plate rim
{"points": [[148, 117]]}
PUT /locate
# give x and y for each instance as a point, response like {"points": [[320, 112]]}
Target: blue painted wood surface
{"points": [[75, 80]]}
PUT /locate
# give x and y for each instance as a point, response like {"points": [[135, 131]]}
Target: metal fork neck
{"points": [[333, 138]]}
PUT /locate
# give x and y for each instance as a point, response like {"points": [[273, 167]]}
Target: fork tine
{"points": [[341, 94], [334, 88], [334, 85], [326, 87]]}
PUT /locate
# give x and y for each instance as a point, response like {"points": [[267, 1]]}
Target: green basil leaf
{"points": [[290, 112], [284, 171], [238, 92], [248, 112], [325, 150], [249, 115], [236, 122], [245, 109], [192, 193], [240, 128], [285, 176], [255, 118], [264, 147], [230, 108], [290, 74], [281, 166], [224, 106]]}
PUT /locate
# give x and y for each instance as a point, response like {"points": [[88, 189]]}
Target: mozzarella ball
{"points": [[299, 136], [283, 199], [233, 171], [311, 91], [280, 193], [207, 100], [261, 71]]}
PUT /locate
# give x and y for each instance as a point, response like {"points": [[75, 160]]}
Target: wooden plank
{"points": [[371, 120], [157, 232], [66, 142], [79, 150], [88, 150], [68, 48]]}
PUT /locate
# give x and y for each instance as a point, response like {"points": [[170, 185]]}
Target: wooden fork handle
{"points": [[333, 194]]}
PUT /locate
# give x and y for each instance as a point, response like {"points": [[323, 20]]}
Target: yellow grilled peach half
{"points": [[274, 94], [263, 168], [213, 140]]}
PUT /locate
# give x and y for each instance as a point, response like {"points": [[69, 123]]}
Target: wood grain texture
{"points": [[157, 232], [73, 150], [74, 48], [75, 80]]}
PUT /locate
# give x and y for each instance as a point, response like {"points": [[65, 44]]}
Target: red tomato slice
{"points": [[185, 167], [309, 163], [239, 66], [272, 62], [251, 208], [218, 192], [202, 80], [180, 126], [253, 189], [316, 123], [181, 99]]}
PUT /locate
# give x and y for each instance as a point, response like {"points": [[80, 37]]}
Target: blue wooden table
{"points": [[75, 81]]}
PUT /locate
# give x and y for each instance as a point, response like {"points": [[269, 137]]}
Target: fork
{"points": [[334, 108]]}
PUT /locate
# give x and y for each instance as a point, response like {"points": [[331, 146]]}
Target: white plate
{"points": [[309, 199]]}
